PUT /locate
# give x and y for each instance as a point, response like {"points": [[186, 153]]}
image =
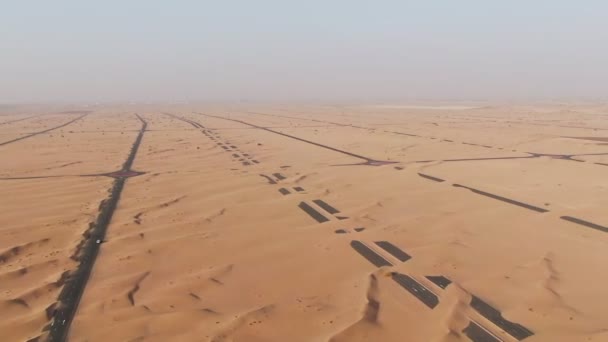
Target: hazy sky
{"points": [[331, 50]]}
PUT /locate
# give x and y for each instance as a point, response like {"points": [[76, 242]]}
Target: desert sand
{"points": [[437, 223]]}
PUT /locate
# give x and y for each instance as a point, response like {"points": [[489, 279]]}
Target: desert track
{"points": [[44, 131], [6, 122], [88, 249], [261, 223]]}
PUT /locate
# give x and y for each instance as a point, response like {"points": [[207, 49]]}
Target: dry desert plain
{"points": [[304, 223]]}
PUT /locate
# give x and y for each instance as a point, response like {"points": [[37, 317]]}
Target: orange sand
{"points": [[203, 248]]}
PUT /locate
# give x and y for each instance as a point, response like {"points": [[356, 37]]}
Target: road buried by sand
{"points": [[304, 223]]}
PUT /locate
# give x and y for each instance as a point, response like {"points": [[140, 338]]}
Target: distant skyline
{"points": [[317, 51]]}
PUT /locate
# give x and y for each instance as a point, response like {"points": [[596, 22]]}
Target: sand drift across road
{"points": [[205, 223]]}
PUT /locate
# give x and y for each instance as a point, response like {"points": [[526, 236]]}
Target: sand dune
{"points": [[304, 223]]}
